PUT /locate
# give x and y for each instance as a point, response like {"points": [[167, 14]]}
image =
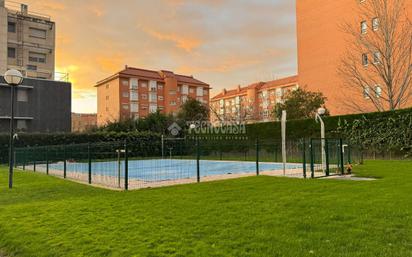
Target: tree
{"points": [[378, 63], [154, 122], [300, 104], [193, 111]]}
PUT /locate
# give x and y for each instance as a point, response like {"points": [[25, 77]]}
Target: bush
{"points": [[71, 138]]}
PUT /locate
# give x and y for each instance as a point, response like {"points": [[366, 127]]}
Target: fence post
{"points": [[349, 154], [342, 165], [47, 160], [126, 166], [90, 163], [64, 162], [198, 159], [312, 164], [24, 158], [257, 156], [34, 160], [327, 157], [304, 158]]}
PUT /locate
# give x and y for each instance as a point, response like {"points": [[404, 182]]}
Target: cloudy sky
{"points": [[221, 42]]}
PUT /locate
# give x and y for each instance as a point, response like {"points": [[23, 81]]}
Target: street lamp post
{"points": [[13, 78], [318, 117]]}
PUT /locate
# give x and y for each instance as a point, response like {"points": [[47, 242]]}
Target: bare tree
{"points": [[378, 61]]}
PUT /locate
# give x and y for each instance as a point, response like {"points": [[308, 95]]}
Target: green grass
{"points": [[256, 216]]}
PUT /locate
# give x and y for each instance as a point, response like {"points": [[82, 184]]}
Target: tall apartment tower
{"points": [[323, 42], [134, 93], [27, 41]]}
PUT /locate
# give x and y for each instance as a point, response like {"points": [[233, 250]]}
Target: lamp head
{"points": [[13, 77], [192, 126], [321, 111]]}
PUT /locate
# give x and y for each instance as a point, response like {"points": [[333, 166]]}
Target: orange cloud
{"points": [[185, 43]]}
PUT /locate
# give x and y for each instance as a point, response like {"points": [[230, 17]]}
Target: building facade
{"points": [[27, 41], [323, 41], [41, 106], [134, 93], [253, 103], [83, 121]]}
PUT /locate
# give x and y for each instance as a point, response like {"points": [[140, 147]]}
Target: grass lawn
{"points": [[255, 216]]}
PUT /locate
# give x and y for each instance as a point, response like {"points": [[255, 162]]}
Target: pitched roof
{"points": [[155, 75], [258, 86]]}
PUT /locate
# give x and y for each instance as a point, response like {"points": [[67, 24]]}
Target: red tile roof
{"points": [[155, 75], [258, 86]]}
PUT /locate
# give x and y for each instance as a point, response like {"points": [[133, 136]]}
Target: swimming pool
{"points": [[167, 169]]}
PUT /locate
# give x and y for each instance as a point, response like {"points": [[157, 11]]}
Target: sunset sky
{"points": [[221, 42]]}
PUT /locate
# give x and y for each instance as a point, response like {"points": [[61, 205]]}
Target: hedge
{"points": [[377, 132], [71, 138]]}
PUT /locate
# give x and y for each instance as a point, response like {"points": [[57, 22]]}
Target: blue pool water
{"points": [[169, 169]]}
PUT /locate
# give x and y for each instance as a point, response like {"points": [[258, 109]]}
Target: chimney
{"points": [[224, 91], [24, 9], [238, 88], [126, 67]]}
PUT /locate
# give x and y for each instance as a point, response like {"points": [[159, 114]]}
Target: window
{"points": [[11, 52], [185, 89], [143, 84], [375, 24], [22, 95], [153, 108], [125, 94], [125, 106], [21, 125], [364, 27], [11, 27], [365, 60], [184, 98], [134, 96], [153, 86], [144, 96], [172, 103], [107, 86], [366, 92], [378, 91], [199, 91], [160, 87], [134, 83], [160, 98], [376, 57], [38, 33], [152, 97], [125, 82], [191, 90], [31, 67], [37, 57], [172, 92], [279, 92], [134, 107]]}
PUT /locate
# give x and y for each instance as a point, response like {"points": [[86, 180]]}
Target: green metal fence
{"points": [[141, 164]]}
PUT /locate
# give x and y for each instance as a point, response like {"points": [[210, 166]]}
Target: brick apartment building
{"points": [[83, 121], [253, 103], [134, 93], [322, 42]]}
